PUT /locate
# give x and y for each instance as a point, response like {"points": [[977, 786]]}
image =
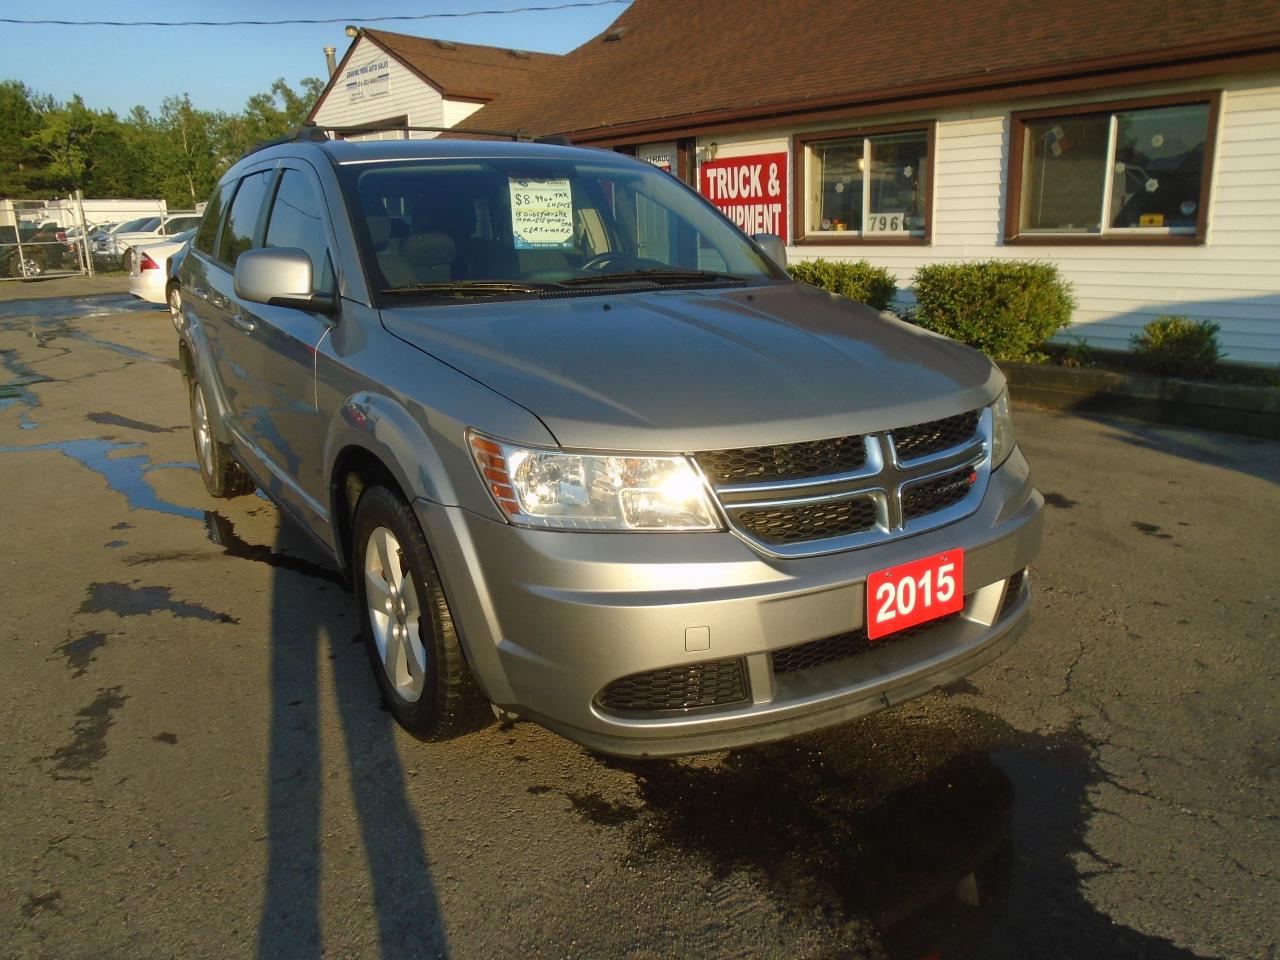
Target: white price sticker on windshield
{"points": [[541, 214]]}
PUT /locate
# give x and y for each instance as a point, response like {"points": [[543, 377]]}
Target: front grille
{"points": [[930, 496], [790, 461], [716, 683], [924, 439], [1011, 594], [799, 499], [817, 653], [812, 521]]}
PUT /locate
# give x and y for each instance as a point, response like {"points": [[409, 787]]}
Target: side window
{"points": [[242, 221], [297, 220], [207, 235]]}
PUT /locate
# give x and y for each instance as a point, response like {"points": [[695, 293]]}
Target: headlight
{"points": [[590, 491], [1002, 438]]}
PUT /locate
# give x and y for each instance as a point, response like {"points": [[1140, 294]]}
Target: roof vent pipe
{"points": [[329, 60]]}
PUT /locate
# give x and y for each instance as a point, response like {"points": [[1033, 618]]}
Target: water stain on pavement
{"points": [[905, 835], [53, 309], [115, 420], [169, 738], [88, 743], [16, 390], [79, 653], [124, 474], [1151, 530], [125, 600]]}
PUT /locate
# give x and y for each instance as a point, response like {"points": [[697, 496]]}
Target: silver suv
{"points": [[586, 453]]}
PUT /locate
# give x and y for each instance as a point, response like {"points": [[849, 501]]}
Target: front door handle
{"points": [[243, 323]]}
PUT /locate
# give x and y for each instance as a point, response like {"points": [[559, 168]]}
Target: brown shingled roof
{"points": [[460, 71], [678, 62]]}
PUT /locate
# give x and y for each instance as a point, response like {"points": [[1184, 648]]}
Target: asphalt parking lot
{"points": [[195, 764]]}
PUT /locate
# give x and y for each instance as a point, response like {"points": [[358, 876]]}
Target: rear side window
{"points": [[297, 220], [178, 224], [242, 221], [207, 235]]}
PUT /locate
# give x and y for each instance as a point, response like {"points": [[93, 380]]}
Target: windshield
{"points": [[520, 226], [130, 225]]}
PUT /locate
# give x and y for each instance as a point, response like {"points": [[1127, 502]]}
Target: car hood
{"points": [[682, 370]]}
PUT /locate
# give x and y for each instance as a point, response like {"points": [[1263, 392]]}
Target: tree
{"points": [[179, 154], [268, 115], [19, 120], [188, 162], [63, 143]]}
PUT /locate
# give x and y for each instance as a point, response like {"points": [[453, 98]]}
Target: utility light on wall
{"points": [[351, 30]]}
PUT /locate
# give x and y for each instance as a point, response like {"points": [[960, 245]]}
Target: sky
{"points": [[221, 67]]}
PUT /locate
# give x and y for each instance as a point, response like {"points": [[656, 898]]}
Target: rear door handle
{"points": [[243, 323]]}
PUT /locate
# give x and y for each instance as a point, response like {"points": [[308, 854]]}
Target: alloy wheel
{"points": [[395, 615], [203, 431]]}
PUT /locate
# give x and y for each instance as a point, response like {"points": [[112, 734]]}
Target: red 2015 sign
{"points": [[750, 191]]}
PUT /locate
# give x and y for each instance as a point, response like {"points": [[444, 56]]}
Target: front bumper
{"points": [[549, 619]]}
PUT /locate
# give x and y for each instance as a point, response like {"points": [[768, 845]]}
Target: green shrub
{"points": [[1005, 308], [1178, 347], [859, 280]]}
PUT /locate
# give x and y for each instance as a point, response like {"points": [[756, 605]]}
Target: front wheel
{"points": [[408, 630]]}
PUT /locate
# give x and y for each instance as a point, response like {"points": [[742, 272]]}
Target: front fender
{"points": [[382, 427]]}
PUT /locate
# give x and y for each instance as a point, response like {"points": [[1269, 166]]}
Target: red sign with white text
{"points": [[915, 592], [750, 191]]}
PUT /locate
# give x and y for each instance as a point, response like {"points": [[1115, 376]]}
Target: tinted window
{"points": [[535, 220], [237, 236], [297, 220], [178, 224], [207, 235]]}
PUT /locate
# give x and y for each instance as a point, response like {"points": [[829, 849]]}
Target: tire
{"points": [[223, 477], [173, 297], [408, 631]]}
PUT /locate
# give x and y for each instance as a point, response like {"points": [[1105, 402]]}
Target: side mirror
{"points": [[280, 277], [772, 244]]}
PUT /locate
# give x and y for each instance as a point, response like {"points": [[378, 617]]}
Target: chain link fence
{"points": [[34, 245]]}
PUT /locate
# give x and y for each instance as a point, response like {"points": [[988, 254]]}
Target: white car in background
{"points": [[151, 230], [149, 272], [105, 241]]}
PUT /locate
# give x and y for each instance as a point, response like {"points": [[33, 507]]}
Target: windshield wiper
{"points": [[658, 275], [465, 288]]}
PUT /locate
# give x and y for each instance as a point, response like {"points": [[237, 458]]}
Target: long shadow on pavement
{"points": [[311, 617]]}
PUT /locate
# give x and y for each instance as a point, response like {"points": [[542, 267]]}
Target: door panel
{"points": [[221, 316], [278, 347]]}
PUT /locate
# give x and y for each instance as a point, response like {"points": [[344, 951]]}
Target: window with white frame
{"points": [[872, 185], [1131, 172]]}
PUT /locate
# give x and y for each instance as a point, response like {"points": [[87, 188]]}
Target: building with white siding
{"points": [[394, 81], [1137, 150]]}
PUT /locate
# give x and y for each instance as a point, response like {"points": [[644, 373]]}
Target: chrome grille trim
{"points": [[883, 479]]}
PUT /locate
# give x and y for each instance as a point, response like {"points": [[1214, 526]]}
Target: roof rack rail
{"points": [[403, 128], [304, 134]]}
